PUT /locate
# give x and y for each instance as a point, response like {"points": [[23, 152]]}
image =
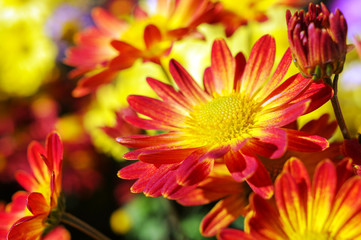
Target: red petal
{"points": [[169, 94], [259, 64], [89, 84], [37, 204], [135, 170], [54, 152], [159, 179], [277, 76], [29, 228], [107, 22], [239, 165], [261, 182], [141, 141], [268, 142], [223, 214], [194, 168], [156, 110], [28, 182], [323, 192], [283, 116], [318, 92], [234, 234], [291, 89], [186, 84], [304, 142], [166, 156], [36, 161], [148, 123], [152, 36], [223, 67], [208, 81]]}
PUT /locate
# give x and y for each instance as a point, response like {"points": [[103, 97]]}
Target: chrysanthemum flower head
{"points": [[317, 40], [327, 208], [238, 115], [113, 44], [38, 211]]}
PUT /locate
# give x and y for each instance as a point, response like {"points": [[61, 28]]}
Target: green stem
{"points": [[337, 108], [75, 222]]}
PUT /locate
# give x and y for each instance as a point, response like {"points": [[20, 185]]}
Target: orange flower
{"points": [[114, 44], [238, 115], [317, 41], [330, 208], [38, 211]]}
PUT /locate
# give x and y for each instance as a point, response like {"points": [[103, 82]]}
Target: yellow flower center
{"points": [[222, 121]]}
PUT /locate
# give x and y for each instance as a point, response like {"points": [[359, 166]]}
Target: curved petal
{"points": [[134, 170], [283, 116], [290, 89], [29, 228], [36, 161], [261, 182], [37, 204], [208, 81], [268, 142], [152, 36], [304, 142], [223, 214], [239, 165], [107, 22]]}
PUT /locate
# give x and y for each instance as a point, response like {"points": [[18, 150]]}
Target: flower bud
{"points": [[317, 41]]}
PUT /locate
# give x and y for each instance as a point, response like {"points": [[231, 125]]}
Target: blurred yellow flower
{"points": [[27, 58]]}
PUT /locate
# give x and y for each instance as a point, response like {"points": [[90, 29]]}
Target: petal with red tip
{"points": [[259, 64], [323, 193], [156, 109], [223, 214], [194, 168], [186, 84], [169, 94], [284, 115], [223, 67], [277, 76], [304, 142]]}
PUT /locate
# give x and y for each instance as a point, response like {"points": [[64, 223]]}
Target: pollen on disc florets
{"points": [[222, 120]]}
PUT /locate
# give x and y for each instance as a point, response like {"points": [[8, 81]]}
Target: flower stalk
{"points": [[336, 107], [75, 222]]}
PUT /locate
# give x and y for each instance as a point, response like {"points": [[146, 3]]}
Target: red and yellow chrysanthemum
{"points": [[329, 208], [236, 117], [232, 196], [114, 44], [36, 212]]}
